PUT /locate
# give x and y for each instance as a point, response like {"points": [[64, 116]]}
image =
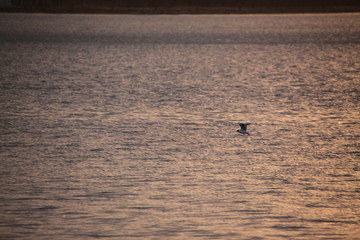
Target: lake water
{"points": [[124, 126]]}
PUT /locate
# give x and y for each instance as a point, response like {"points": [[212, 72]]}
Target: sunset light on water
{"points": [[125, 126]]}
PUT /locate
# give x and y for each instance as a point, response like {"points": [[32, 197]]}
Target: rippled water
{"points": [[124, 126]]}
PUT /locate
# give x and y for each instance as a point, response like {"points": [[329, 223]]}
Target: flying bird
{"points": [[243, 128]]}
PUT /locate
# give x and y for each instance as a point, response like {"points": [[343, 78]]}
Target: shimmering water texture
{"points": [[124, 127]]}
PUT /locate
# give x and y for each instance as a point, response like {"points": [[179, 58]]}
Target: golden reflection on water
{"points": [[132, 135]]}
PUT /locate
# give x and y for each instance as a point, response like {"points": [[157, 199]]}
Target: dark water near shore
{"points": [[124, 127]]}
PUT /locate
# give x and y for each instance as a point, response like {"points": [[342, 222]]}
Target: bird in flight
{"points": [[243, 128]]}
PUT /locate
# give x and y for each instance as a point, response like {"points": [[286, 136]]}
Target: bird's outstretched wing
{"points": [[243, 126]]}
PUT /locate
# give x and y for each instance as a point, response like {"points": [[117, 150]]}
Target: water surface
{"points": [[124, 126]]}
